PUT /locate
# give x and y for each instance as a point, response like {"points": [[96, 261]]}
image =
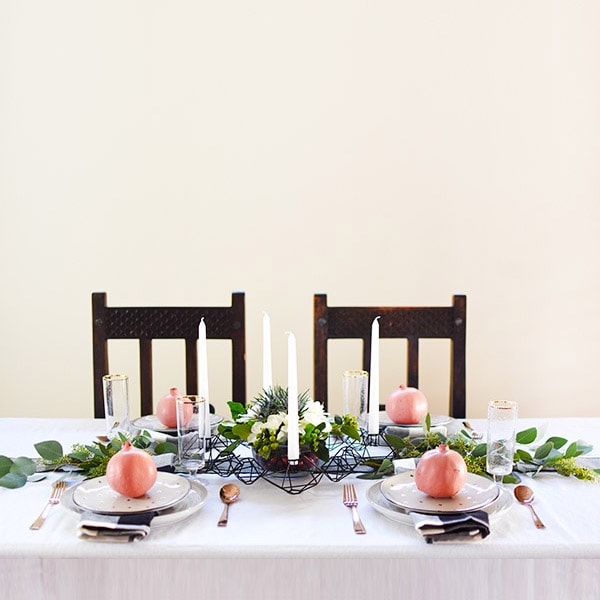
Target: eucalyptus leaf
{"points": [[50, 450], [395, 442], [165, 448], [527, 436], [523, 455], [571, 451], [13, 480], [479, 450], [543, 450], [5, 465], [558, 442], [23, 466]]}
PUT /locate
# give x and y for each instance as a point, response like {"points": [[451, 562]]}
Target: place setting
{"points": [[134, 494], [435, 493]]}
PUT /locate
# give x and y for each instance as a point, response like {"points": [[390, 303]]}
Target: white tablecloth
{"points": [[303, 546]]}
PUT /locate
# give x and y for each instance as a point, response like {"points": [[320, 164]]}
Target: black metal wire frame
{"points": [[346, 456]]}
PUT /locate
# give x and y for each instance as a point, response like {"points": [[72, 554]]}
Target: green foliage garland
{"points": [[547, 456], [88, 459]]}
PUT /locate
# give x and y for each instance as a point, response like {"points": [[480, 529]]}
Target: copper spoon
{"points": [[525, 496], [229, 493]]}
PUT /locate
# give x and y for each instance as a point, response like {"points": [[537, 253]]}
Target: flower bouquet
{"points": [[263, 425]]}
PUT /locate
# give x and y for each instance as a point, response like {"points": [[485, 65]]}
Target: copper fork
{"points": [[351, 501], [57, 491]]}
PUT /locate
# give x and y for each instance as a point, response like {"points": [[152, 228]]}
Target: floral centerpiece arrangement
{"points": [[263, 425]]}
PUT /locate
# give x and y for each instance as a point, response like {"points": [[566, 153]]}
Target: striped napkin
{"points": [[94, 527], [455, 527]]}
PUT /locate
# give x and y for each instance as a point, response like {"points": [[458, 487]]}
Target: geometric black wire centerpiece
{"points": [[346, 456]]}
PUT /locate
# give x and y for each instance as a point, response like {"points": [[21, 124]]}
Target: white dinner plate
{"points": [[402, 491], [152, 423], [436, 420], [192, 503], [97, 496], [495, 509]]}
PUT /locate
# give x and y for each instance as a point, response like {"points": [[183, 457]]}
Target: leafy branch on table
{"points": [[529, 457], [89, 460]]}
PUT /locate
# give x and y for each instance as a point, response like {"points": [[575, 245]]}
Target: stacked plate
{"points": [[398, 496], [172, 497]]}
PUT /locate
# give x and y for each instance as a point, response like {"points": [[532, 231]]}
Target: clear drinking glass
{"points": [[116, 404], [501, 432], [191, 443], [354, 395]]}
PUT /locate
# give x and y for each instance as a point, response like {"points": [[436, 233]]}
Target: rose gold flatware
{"points": [[57, 491], [526, 496], [229, 494], [351, 501]]}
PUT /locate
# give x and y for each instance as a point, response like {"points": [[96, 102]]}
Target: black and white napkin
{"points": [[115, 528], [455, 527]]}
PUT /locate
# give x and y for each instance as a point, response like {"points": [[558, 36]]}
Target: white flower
{"points": [[275, 421], [315, 414]]}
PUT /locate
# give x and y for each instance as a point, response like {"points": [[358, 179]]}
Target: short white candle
{"points": [[374, 380], [267, 365], [293, 431], [203, 375]]}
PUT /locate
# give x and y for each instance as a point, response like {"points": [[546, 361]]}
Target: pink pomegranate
{"points": [[166, 409], [131, 471], [406, 405], [441, 472]]}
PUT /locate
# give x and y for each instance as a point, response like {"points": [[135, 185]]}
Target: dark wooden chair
{"points": [[148, 323], [411, 323]]}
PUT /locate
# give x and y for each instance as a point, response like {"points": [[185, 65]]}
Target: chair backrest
{"points": [[411, 323], [148, 323]]}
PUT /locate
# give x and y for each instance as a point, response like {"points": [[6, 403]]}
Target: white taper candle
{"points": [[374, 380], [293, 430]]}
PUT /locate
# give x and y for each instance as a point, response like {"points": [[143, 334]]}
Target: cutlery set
{"points": [[230, 493]]}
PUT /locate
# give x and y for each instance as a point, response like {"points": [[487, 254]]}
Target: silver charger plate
{"points": [[152, 423], [192, 503], [495, 509], [402, 491], [97, 496], [436, 420]]}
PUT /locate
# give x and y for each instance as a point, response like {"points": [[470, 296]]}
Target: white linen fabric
{"points": [[303, 545]]}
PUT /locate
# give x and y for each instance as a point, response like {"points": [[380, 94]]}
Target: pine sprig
{"points": [[274, 400]]}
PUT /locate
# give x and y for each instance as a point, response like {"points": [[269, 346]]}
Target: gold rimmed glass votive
{"points": [[501, 433]]}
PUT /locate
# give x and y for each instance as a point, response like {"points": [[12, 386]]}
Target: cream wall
{"points": [[385, 153]]}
